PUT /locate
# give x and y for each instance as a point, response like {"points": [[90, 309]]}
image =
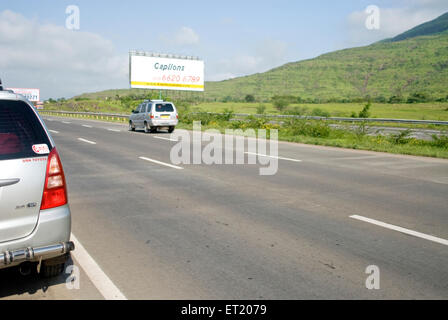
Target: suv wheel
{"points": [[131, 126], [171, 129], [153, 129], [147, 129]]}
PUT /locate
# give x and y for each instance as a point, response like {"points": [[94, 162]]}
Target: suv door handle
{"points": [[8, 182]]}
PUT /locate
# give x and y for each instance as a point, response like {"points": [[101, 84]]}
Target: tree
{"points": [[281, 104], [249, 98]]}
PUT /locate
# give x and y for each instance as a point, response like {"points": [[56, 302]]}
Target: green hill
{"points": [[414, 63], [432, 27]]}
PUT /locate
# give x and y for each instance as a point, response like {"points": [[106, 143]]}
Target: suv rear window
{"points": [[20, 129], [164, 107]]}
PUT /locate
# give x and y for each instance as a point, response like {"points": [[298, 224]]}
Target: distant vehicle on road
{"points": [[35, 218], [152, 115]]}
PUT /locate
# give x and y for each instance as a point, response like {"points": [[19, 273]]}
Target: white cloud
{"points": [[393, 21], [265, 55], [184, 36], [59, 61]]}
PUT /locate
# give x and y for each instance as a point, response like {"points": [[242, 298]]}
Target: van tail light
{"points": [[55, 188], [177, 116], [151, 116]]}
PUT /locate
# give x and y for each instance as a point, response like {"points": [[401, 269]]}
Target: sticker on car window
{"points": [[41, 148]]}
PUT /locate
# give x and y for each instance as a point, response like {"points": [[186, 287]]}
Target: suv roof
{"points": [[9, 94], [153, 100]]}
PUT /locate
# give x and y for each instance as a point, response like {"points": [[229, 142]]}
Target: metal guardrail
{"points": [[342, 119], [97, 115]]}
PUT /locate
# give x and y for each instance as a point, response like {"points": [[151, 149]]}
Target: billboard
{"points": [[31, 94], [152, 71]]}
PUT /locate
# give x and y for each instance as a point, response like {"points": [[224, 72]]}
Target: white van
{"points": [[152, 115]]}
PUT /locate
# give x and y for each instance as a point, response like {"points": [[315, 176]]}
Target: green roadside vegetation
{"points": [[317, 132]]}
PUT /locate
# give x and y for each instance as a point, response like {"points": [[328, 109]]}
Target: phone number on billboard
{"points": [[185, 79]]}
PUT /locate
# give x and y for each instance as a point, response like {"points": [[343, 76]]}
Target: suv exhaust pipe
{"points": [[29, 254]]}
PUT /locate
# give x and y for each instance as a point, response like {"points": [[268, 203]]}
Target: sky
{"points": [[234, 38]]}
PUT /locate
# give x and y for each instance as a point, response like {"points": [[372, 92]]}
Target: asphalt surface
{"points": [[225, 232]]}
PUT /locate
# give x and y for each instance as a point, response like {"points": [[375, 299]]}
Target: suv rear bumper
{"points": [[33, 254], [163, 122], [50, 238]]}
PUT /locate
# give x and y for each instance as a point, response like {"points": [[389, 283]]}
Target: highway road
{"points": [[152, 231]]}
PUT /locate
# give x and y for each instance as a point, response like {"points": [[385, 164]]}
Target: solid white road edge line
{"points": [[88, 141], [65, 122], [400, 229], [281, 158], [53, 131], [101, 281], [161, 163], [87, 126], [163, 138], [114, 130]]}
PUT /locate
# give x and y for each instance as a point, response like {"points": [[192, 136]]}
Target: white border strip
{"points": [[162, 163], [402, 230], [87, 126], [281, 158], [88, 141], [114, 130], [53, 131], [101, 281]]}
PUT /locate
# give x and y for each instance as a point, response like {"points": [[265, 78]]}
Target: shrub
{"points": [[365, 113], [226, 115], [400, 138], [320, 113], [297, 111], [440, 141], [395, 99], [417, 97], [308, 128], [261, 108]]}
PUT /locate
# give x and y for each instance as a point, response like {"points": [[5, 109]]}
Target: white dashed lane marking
{"points": [[402, 230], [87, 141]]}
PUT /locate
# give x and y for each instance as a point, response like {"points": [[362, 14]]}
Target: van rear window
{"points": [[164, 107], [20, 129]]}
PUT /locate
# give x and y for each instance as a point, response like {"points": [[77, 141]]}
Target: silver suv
{"points": [[35, 219], [152, 115]]}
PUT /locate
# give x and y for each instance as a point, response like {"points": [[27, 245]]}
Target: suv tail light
{"points": [[151, 116], [55, 188], [177, 116]]}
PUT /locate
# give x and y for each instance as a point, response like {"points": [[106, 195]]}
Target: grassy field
{"points": [[420, 111]]}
